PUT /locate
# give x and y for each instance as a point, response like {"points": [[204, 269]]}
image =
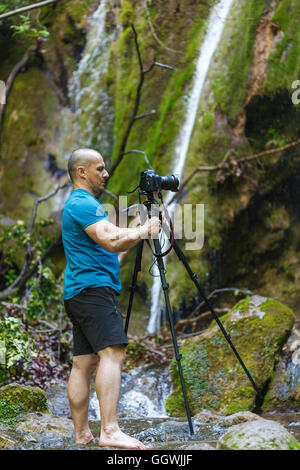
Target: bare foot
{"points": [[84, 438], [120, 439]]}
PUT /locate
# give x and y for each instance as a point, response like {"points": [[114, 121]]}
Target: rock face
{"points": [[260, 434], [284, 390], [214, 378]]}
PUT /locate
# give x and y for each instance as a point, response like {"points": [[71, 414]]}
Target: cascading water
{"points": [[143, 394], [212, 38], [89, 121], [92, 105]]}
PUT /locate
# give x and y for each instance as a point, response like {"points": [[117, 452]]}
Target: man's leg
{"points": [[108, 385], [78, 394]]}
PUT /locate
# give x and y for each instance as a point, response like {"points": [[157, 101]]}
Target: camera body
{"points": [[150, 181]]}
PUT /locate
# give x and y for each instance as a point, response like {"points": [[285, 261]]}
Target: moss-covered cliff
{"points": [[251, 217]]}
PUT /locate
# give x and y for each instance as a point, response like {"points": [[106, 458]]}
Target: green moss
{"points": [[284, 65], [27, 115], [236, 52], [16, 399], [78, 10]]}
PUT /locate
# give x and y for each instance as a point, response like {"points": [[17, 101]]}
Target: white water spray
{"points": [[212, 38], [93, 109]]}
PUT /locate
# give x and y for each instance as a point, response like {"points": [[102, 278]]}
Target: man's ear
{"points": [[81, 172]]}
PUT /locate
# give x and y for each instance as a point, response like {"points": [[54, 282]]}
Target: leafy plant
{"points": [[26, 28], [9, 412], [17, 345]]}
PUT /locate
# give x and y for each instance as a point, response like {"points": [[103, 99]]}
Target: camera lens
{"points": [[170, 183]]}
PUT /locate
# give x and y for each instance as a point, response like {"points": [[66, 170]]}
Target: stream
{"points": [[142, 413]]}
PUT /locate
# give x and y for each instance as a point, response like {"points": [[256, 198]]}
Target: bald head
{"points": [[81, 158]]}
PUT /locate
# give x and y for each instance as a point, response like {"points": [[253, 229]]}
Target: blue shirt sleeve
{"points": [[87, 211]]}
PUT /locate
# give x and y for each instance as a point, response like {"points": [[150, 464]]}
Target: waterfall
{"points": [[89, 120], [212, 38]]}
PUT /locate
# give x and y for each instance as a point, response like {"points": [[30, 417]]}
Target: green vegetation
{"points": [[17, 345]]}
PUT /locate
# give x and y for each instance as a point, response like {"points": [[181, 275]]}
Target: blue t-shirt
{"points": [[88, 264]]}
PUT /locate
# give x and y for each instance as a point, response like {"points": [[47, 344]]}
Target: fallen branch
{"points": [[225, 163], [218, 291], [188, 321], [27, 8], [268, 152]]}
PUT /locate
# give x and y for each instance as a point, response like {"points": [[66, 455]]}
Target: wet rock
{"points": [[214, 379], [46, 430], [6, 442], [197, 446], [237, 418], [284, 389], [206, 416], [258, 435]]}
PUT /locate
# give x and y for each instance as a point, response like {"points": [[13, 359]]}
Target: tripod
{"points": [[149, 203]]}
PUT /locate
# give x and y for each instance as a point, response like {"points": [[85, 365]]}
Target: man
{"points": [[92, 283]]}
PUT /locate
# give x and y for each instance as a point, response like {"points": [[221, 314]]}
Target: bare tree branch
{"points": [[150, 113], [27, 8], [158, 64], [143, 153], [10, 80], [218, 291], [135, 117], [269, 152], [154, 33], [225, 163], [41, 199]]}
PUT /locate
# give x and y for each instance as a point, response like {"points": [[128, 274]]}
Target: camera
{"points": [[150, 181]]}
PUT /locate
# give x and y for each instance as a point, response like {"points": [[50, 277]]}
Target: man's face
{"points": [[97, 175]]}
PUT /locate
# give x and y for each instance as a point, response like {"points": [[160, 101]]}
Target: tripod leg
{"points": [[137, 268], [194, 278], [178, 356]]}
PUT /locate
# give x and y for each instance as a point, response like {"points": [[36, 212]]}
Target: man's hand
{"points": [[152, 227]]}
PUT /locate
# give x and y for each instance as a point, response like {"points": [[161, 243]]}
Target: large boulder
{"points": [[259, 434], [16, 399], [213, 376]]}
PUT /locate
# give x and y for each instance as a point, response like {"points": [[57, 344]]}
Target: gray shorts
{"points": [[96, 318]]}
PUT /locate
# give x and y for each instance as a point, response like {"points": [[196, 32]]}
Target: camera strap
{"points": [[171, 239]]}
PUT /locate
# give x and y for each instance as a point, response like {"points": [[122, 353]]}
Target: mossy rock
{"points": [[213, 376], [16, 399], [260, 434]]}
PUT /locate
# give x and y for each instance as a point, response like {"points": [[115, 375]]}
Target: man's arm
{"points": [[115, 239]]}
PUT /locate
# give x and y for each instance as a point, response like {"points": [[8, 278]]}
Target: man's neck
{"points": [[77, 186]]}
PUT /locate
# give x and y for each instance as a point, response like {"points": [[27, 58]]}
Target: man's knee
{"points": [[115, 353], [86, 363]]}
